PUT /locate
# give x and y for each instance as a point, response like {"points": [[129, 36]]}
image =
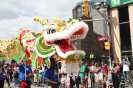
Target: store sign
{"points": [[115, 3], [103, 38]]}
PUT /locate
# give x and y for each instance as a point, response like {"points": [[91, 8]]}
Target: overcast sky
{"points": [[16, 14]]}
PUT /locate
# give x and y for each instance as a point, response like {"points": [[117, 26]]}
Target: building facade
{"points": [[91, 45], [121, 16]]}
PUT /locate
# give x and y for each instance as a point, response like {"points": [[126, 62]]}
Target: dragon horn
{"points": [[20, 29], [39, 19]]}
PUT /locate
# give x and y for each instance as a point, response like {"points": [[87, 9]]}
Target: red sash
{"points": [[23, 84]]}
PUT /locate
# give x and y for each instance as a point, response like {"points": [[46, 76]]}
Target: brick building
{"points": [[90, 44]]}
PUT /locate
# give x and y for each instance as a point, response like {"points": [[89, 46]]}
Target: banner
{"points": [[115, 3]]}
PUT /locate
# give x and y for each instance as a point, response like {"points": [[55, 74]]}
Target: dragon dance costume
{"points": [[55, 39]]}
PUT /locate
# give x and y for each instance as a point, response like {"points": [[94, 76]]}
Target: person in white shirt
{"points": [[126, 65]]}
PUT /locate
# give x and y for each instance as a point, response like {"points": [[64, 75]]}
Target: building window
{"points": [[125, 32]]}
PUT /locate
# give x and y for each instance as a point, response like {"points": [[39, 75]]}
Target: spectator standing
{"points": [[72, 82], [10, 71], [118, 70], [40, 75], [68, 81], [87, 74], [16, 68], [97, 69], [63, 80], [35, 77], [126, 65], [104, 69], [83, 75], [115, 76], [7, 75], [91, 69], [15, 78], [77, 78]]}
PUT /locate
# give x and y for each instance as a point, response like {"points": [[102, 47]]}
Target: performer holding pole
{"points": [[50, 77], [25, 72]]}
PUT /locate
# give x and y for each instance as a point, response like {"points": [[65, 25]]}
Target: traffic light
{"points": [[107, 45], [85, 9]]}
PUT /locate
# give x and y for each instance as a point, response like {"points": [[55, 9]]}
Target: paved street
{"points": [[90, 85], [33, 86], [12, 86]]}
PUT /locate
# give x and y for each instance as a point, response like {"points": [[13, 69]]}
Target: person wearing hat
{"points": [[25, 73], [51, 75], [2, 78]]}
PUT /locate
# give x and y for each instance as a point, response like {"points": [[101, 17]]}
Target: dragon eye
{"points": [[51, 31], [48, 31]]}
